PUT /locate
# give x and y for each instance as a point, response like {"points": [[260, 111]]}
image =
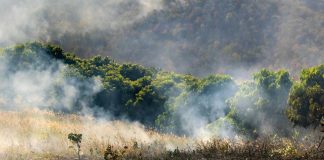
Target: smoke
{"points": [[142, 31], [32, 133], [299, 35], [33, 94], [26, 20], [200, 113], [197, 37], [194, 119], [43, 85]]}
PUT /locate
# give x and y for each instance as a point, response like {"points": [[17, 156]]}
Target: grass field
{"points": [[36, 134]]}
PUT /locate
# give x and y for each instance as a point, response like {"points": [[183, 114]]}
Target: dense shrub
{"points": [[306, 99]]}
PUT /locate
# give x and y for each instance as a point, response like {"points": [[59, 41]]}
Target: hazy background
{"points": [[187, 36]]}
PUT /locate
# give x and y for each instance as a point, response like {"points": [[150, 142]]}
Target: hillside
{"points": [[185, 36]]}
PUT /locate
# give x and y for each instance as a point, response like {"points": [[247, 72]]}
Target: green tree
{"points": [[76, 139], [306, 100], [260, 105]]}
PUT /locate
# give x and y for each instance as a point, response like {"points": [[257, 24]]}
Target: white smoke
{"points": [[35, 87], [25, 20]]}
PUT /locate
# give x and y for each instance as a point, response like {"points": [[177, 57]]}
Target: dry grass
{"points": [[36, 134]]}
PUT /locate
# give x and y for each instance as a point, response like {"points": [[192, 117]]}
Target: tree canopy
{"points": [[179, 103], [306, 99]]}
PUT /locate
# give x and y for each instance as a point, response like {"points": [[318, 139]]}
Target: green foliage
{"points": [[273, 83], [261, 102], [162, 99], [306, 99], [32, 55], [75, 138], [134, 72], [204, 98]]}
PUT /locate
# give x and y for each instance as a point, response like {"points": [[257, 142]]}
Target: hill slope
{"points": [[186, 36]]}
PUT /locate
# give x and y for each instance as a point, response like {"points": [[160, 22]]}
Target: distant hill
{"points": [[187, 36]]}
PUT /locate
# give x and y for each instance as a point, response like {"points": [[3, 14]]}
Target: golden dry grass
{"points": [[36, 134]]}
